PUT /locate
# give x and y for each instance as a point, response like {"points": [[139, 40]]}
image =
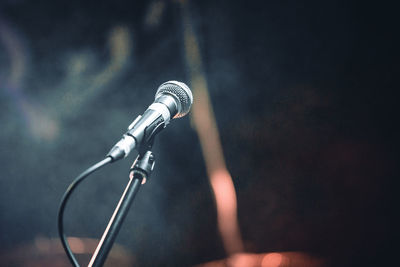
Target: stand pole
{"points": [[141, 168]]}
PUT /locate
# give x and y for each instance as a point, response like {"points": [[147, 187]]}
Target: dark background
{"points": [[304, 98]]}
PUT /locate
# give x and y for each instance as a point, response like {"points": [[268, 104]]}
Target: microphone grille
{"points": [[180, 92]]}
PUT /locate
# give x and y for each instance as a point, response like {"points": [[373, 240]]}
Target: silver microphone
{"points": [[173, 99]]}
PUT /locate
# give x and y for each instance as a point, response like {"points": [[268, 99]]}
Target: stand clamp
{"points": [[143, 166]]}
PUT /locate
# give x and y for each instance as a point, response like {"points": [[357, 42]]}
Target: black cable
{"points": [[64, 200]]}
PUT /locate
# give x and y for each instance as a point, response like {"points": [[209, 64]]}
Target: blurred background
{"points": [[287, 158]]}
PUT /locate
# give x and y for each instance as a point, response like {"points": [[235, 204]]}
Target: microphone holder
{"points": [[138, 174]]}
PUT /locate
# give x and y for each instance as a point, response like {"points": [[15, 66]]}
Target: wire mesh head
{"points": [[180, 92]]}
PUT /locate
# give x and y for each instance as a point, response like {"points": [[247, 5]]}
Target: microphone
{"points": [[173, 99]]}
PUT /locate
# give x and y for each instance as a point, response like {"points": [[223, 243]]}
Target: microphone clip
{"points": [[142, 166]]}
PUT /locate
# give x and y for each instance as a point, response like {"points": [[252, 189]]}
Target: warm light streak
{"points": [[225, 200], [204, 122]]}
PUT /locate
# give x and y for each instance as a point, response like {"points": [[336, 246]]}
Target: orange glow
{"points": [[225, 200], [77, 245], [221, 182], [272, 260], [275, 259], [243, 259], [49, 252], [42, 245]]}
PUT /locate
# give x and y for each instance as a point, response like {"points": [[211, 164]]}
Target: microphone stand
{"points": [[138, 174]]}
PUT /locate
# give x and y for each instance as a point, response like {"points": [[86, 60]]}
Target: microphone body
{"points": [[172, 100]]}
